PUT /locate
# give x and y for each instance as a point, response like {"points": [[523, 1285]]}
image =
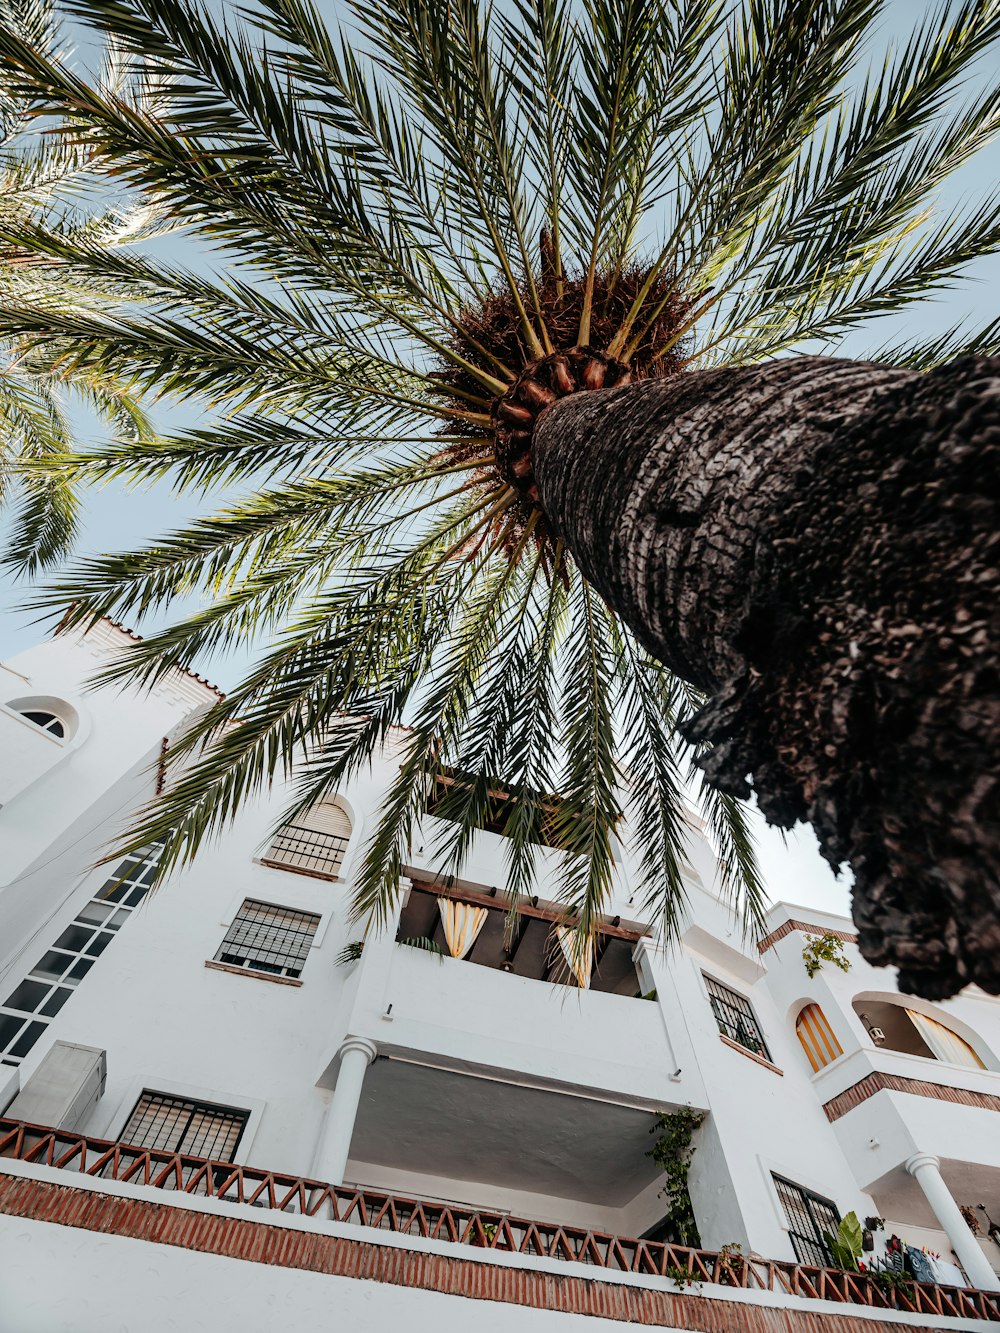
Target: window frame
{"points": [[294, 830], [97, 922], [807, 1198], [198, 1105], [289, 969], [755, 1042], [54, 720]]}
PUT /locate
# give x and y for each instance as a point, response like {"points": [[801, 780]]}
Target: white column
{"points": [[330, 1160], [925, 1169]]}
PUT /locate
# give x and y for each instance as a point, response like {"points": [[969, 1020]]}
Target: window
{"points": [[817, 1038], [57, 718], [47, 721], [314, 843], [736, 1018], [30, 1007], [175, 1124], [264, 938], [808, 1216]]}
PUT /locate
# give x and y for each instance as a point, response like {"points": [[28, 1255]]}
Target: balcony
{"points": [[453, 1014], [526, 1252], [528, 947]]}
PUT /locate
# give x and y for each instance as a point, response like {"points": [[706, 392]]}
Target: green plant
{"points": [[846, 1246], [681, 1276], [892, 1282], [649, 995], [672, 1153], [733, 1262], [826, 948], [350, 953], [423, 942], [51, 180]]}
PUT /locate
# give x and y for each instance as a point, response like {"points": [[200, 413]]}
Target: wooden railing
{"points": [[199, 1176]]}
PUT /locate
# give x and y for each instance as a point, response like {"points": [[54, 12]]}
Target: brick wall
{"points": [[867, 1087], [266, 1243]]}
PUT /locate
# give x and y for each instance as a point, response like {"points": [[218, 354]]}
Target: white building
{"points": [[482, 1130]]}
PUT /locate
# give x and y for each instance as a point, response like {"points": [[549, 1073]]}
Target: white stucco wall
{"points": [[170, 1024]]}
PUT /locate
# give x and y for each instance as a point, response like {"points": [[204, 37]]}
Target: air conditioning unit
{"points": [[64, 1089]]}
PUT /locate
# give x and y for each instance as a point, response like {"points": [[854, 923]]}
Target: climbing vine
{"points": [[672, 1153], [827, 948]]}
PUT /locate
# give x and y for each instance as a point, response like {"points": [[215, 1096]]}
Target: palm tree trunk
{"points": [[814, 544]]}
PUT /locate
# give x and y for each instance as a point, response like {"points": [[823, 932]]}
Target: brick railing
{"points": [[107, 1160]]}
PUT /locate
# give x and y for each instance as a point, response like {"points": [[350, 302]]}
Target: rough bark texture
{"points": [[814, 543]]}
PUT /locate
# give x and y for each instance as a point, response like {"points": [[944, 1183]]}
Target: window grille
{"points": [[264, 938], [315, 842], [736, 1018], [32, 1005], [175, 1124], [808, 1216]]}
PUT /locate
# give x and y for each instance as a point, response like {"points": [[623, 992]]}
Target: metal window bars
{"points": [[267, 938], [808, 1216], [736, 1018], [177, 1124], [308, 850]]}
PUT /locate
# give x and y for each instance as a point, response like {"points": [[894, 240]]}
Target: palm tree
{"points": [[444, 221], [47, 182]]}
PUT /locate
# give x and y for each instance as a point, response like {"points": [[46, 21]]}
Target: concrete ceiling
{"points": [[439, 1122], [898, 1196]]}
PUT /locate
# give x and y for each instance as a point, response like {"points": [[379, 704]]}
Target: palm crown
{"points": [[438, 221]]}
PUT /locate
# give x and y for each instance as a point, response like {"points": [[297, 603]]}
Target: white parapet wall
{"points": [[85, 1255]]}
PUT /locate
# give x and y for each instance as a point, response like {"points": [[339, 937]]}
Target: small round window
{"points": [[55, 726]]}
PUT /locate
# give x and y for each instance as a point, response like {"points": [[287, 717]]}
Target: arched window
{"points": [[895, 1027], [55, 717], [55, 726], [314, 843], [817, 1037], [945, 1044]]}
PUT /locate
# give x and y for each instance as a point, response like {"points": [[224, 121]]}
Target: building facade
{"points": [[238, 1111]]}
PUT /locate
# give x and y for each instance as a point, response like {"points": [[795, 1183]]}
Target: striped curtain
{"points": [[580, 962], [462, 925], [817, 1037], [945, 1044]]}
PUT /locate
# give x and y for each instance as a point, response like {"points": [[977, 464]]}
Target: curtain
{"points": [[462, 925], [817, 1038], [581, 963], [945, 1044]]}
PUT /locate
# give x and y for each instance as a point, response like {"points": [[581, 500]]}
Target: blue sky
{"points": [[117, 518]]}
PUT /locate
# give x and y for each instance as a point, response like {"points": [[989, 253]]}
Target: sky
{"points": [[792, 867]]}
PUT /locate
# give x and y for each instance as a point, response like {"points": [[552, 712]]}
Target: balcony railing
{"points": [[202, 1177]]}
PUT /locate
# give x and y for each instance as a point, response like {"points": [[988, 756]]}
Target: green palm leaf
{"points": [[409, 213]]}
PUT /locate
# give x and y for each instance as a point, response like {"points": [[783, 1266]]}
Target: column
{"points": [[925, 1169], [330, 1159]]}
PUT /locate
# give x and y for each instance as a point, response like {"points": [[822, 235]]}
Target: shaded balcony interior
{"points": [[893, 1027], [478, 1139], [493, 806], [974, 1185], [531, 948]]}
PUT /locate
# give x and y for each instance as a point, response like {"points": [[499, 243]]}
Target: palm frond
{"points": [[405, 213]]}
